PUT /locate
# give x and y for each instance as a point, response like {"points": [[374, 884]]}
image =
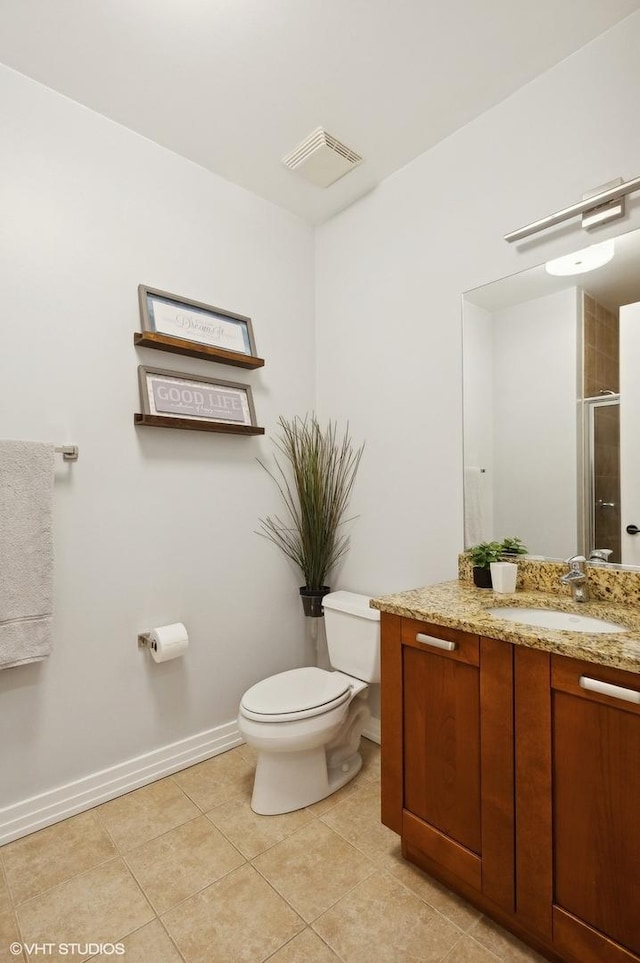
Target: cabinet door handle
{"points": [[436, 643], [608, 689]]}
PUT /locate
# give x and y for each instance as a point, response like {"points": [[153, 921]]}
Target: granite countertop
{"points": [[459, 605]]}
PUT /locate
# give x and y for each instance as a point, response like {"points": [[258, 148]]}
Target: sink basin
{"points": [[553, 619]]}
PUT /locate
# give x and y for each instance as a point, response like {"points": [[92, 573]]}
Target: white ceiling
{"points": [[236, 84]]}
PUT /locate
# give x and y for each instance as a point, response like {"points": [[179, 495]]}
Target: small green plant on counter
{"points": [[513, 546], [486, 552]]}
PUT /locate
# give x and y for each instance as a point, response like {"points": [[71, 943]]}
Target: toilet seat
{"points": [[296, 694]]}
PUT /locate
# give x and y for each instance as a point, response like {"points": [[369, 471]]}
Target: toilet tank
{"points": [[353, 635]]}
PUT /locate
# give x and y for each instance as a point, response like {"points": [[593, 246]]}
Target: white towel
{"points": [[473, 520], [26, 551]]}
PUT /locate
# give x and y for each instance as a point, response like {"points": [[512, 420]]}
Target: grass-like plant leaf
{"points": [[315, 477]]}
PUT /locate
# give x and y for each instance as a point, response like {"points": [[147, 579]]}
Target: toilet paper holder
{"points": [[144, 640], [165, 642]]}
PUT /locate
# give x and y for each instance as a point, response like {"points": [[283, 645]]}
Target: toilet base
{"points": [[286, 781]]}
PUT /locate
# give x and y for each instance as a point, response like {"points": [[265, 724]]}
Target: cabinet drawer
{"points": [[439, 640], [597, 683]]}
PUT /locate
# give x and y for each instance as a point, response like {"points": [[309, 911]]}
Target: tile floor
{"points": [[183, 870]]}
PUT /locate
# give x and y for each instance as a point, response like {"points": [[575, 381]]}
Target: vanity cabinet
{"points": [[448, 714], [583, 886], [513, 775]]}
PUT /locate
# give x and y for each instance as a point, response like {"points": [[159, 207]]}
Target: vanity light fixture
{"points": [[598, 206], [588, 259]]}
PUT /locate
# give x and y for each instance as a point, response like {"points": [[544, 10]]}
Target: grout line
{"points": [[214, 882], [177, 948], [486, 948], [331, 948], [68, 879], [286, 943], [327, 908]]}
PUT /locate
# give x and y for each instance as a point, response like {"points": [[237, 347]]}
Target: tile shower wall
{"points": [[601, 348]]}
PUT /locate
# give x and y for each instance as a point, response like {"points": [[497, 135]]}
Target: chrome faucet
{"points": [[576, 577]]}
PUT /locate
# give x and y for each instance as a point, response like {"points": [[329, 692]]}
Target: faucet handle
{"points": [[577, 563], [600, 554], [575, 558]]}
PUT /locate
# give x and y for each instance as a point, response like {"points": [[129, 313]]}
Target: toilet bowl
{"points": [[306, 724]]}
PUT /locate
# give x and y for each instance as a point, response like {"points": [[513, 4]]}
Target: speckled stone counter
{"points": [[459, 605], [606, 583]]}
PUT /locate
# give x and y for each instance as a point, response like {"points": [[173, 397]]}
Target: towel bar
{"points": [[68, 452]]}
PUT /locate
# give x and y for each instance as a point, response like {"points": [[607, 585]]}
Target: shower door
{"points": [[603, 466]]}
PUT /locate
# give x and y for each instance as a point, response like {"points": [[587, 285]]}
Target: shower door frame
{"points": [[589, 482]]}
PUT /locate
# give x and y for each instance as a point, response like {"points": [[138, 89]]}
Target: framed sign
{"points": [[194, 321], [174, 394]]}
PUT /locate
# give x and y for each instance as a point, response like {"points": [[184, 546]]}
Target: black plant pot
{"points": [[312, 600], [482, 577]]}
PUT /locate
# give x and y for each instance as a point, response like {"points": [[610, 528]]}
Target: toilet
{"points": [[306, 723]]}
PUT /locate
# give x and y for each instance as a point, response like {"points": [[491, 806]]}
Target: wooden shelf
{"points": [[161, 421], [165, 342]]}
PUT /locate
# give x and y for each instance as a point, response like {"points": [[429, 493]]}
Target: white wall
{"points": [[151, 526], [535, 477], [391, 269], [478, 382]]}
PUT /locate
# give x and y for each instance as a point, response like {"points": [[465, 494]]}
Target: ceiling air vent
{"points": [[322, 159]]}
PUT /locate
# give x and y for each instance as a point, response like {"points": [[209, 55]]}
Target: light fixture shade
{"points": [[588, 259]]}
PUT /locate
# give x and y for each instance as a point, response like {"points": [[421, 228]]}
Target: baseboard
{"points": [[373, 730], [35, 813], [50, 807]]}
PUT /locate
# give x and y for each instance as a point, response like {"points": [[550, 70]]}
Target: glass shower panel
{"points": [[605, 477]]}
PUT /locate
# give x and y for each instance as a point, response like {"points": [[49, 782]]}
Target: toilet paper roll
{"points": [[168, 642]]}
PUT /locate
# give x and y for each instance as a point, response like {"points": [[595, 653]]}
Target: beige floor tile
{"points": [[181, 862], [248, 753], [216, 781], [503, 944], [451, 905], [240, 918], [468, 951], [101, 906], [44, 859], [5, 899], [150, 945], [251, 833], [370, 752], [357, 818], [307, 947], [313, 868], [146, 813], [319, 808], [9, 934], [381, 920]]}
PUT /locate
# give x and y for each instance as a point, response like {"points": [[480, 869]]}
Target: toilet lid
{"points": [[298, 691]]}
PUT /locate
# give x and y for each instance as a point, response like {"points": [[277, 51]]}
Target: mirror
{"points": [[552, 410]]}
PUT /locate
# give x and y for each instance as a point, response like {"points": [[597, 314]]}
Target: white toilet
{"points": [[306, 724]]}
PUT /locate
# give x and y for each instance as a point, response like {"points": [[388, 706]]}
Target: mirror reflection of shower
{"points": [[603, 476], [534, 345], [601, 412]]}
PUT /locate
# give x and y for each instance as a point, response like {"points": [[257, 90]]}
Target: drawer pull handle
{"points": [[608, 689], [436, 643]]}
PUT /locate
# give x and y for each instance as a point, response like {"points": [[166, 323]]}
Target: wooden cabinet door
{"points": [[596, 810], [457, 726]]}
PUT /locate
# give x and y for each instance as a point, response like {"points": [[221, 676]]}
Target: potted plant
{"points": [[315, 478], [482, 556], [513, 546]]}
